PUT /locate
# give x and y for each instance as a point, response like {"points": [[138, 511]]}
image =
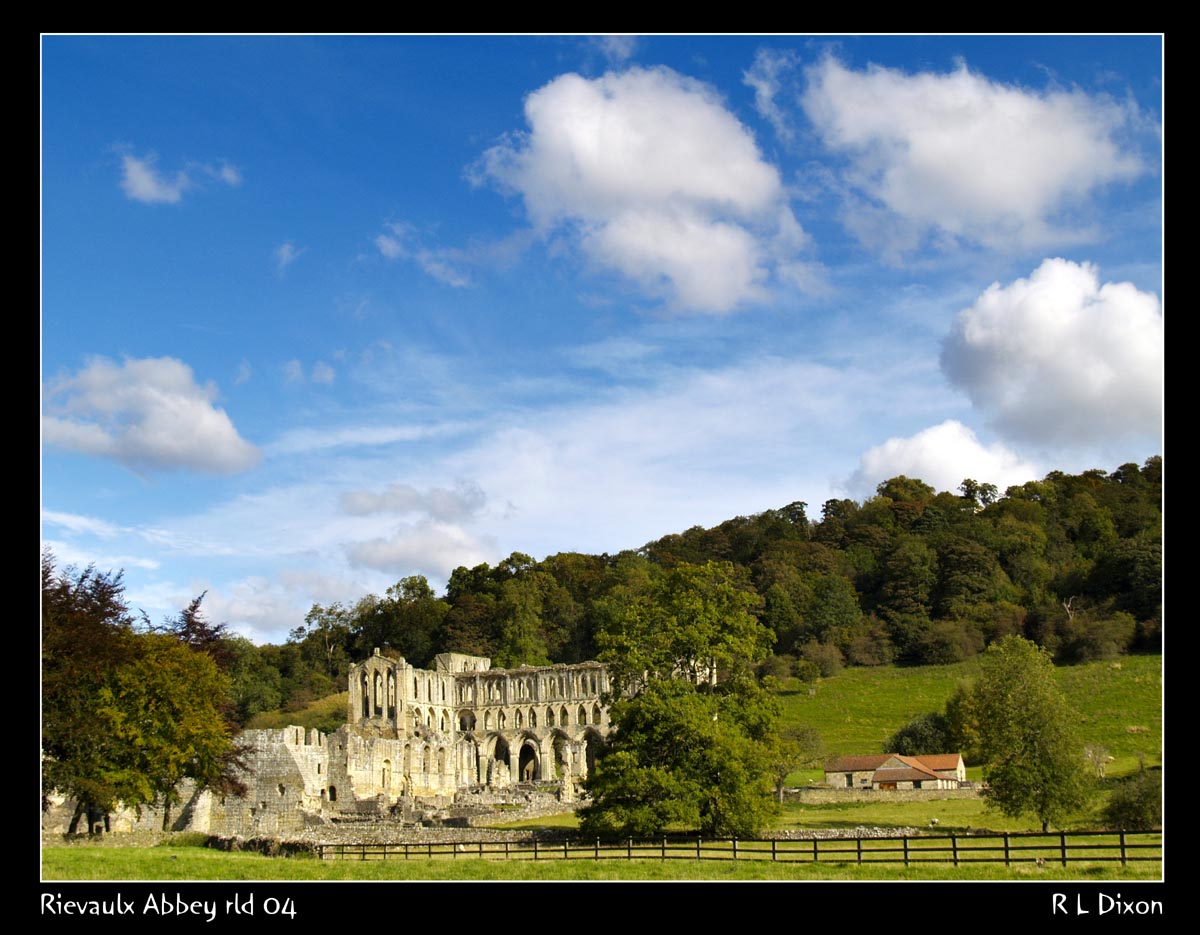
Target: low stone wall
{"points": [[839, 796]]}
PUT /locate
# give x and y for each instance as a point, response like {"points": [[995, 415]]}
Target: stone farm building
{"points": [[893, 772]]}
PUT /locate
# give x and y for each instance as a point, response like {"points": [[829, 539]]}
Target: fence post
{"points": [[697, 847], [954, 848], [735, 848], [664, 847], [1122, 848], [406, 852], [565, 844], [1006, 863], [481, 850], [597, 848], [905, 840], [815, 858], [773, 842], [506, 850], [858, 848], [1062, 843], [629, 849], [429, 852]]}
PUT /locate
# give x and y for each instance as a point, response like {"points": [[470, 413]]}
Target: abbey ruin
{"points": [[413, 738]]}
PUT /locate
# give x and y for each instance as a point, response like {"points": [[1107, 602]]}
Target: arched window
{"points": [[333, 793], [565, 720], [549, 717], [582, 715], [365, 690], [597, 713], [532, 718], [520, 719], [391, 694], [378, 695], [487, 720]]}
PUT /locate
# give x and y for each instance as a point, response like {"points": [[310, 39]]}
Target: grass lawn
{"points": [[80, 862]]}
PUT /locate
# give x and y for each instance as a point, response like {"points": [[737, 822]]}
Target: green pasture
{"points": [[857, 710]]}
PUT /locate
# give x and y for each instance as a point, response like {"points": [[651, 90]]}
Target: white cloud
{"points": [[86, 525], [142, 182], [655, 178], [770, 76], [431, 547], [285, 254], [965, 157], [293, 371], [443, 264], [244, 373], [1060, 359], [942, 456], [229, 174], [145, 413], [617, 49], [322, 372], [439, 503]]}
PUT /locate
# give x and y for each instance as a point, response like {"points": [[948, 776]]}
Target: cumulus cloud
{"points": [[942, 456], [431, 547], [1059, 358], [293, 371], [964, 157], [244, 373], [322, 373], [145, 413], [141, 181], [439, 503], [655, 179]]}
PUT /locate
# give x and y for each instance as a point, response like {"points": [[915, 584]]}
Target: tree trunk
{"points": [[79, 809], [166, 825]]}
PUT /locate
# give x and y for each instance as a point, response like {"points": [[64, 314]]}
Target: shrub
{"points": [[1136, 804]]}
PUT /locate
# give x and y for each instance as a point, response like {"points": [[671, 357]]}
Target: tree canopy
{"points": [[689, 749], [1028, 735], [127, 714]]}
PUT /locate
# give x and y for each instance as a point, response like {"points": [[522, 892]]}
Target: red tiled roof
{"points": [[941, 760], [872, 761], [857, 764]]}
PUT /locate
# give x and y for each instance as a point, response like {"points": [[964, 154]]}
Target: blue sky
{"points": [[322, 312]]}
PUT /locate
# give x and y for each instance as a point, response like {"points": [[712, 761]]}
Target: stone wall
{"points": [[836, 796]]}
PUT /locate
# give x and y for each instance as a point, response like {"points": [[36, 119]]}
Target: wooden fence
{"points": [[1009, 848]]}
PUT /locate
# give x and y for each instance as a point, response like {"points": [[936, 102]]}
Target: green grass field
{"points": [[80, 862], [855, 711]]}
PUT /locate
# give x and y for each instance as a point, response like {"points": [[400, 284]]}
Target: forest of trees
{"points": [[909, 576]]}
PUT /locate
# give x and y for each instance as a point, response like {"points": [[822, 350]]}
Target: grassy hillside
{"points": [[325, 714], [855, 711]]}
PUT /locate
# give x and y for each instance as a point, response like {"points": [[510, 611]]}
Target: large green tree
{"points": [[126, 715], [689, 749], [1028, 734]]}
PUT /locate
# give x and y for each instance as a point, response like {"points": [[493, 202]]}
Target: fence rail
{"points": [[1006, 848]]}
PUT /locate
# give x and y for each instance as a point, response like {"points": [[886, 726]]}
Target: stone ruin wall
{"points": [[412, 737]]}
